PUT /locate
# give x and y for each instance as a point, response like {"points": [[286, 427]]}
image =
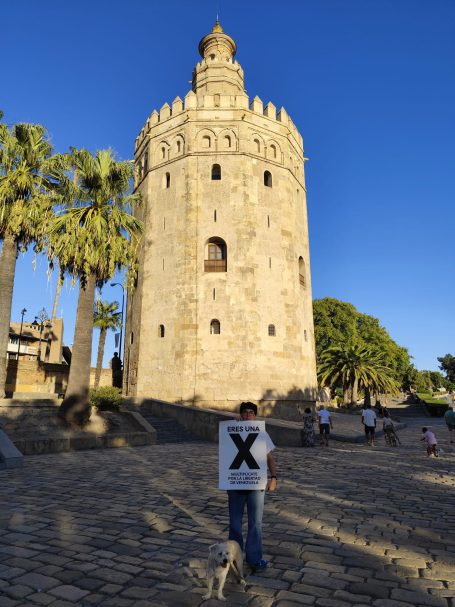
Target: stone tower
{"points": [[222, 311]]}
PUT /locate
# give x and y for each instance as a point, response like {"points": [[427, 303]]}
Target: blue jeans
{"points": [[254, 501]]}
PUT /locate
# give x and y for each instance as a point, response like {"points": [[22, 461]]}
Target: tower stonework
{"points": [[222, 311]]}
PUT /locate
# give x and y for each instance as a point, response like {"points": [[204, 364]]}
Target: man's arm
{"points": [[271, 485]]}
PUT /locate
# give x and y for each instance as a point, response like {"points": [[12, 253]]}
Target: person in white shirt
{"points": [[325, 423], [369, 421]]}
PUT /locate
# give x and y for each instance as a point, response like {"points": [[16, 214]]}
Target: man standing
{"points": [[254, 501], [369, 421], [325, 424]]}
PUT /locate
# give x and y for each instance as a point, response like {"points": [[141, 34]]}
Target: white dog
{"points": [[221, 558]]}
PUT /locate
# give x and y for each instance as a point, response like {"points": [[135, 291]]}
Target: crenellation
{"points": [[282, 116], [256, 105], [154, 117], [270, 111], [165, 112], [190, 100], [177, 106]]}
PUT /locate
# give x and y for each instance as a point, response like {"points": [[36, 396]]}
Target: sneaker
{"points": [[259, 566]]}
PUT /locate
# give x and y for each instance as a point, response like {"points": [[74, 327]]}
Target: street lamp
{"points": [[23, 313], [117, 284]]}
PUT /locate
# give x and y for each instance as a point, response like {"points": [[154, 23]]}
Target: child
{"points": [[389, 429], [432, 443]]}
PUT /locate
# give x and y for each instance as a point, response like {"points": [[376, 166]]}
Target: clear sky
{"points": [[370, 84]]}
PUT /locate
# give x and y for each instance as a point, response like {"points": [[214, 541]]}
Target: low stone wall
{"points": [[31, 376], [290, 410], [203, 423]]}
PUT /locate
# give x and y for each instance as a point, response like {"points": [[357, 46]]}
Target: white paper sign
{"points": [[242, 455]]}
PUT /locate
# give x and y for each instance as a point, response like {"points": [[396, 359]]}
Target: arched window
{"points": [[179, 146], [216, 172], [146, 162], [132, 338], [268, 179], [257, 145], [301, 271], [167, 180], [273, 151], [206, 142], [215, 255], [272, 332], [163, 153], [161, 331], [215, 327], [227, 141]]}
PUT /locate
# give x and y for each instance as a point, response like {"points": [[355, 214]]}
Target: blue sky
{"points": [[369, 84]]}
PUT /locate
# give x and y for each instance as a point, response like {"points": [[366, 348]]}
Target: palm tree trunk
{"points": [[7, 271], [56, 298], [354, 395], [75, 407], [346, 395], [367, 400], [99, 360]]}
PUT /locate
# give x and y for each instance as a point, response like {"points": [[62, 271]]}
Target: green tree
{"points": [[337, 323], [92, 238], [30, 177], [353, 367], [105, 317], [447, 364]]}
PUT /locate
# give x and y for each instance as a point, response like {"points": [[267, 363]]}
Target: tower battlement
{"points": [[219, 102]]}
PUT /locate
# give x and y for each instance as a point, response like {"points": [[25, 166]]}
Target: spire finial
{"points": [[217, 29]]}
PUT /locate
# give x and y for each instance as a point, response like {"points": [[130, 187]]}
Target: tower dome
{"points": [[218, 72]]}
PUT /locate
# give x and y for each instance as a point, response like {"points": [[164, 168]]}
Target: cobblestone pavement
{"points": [[349, 526]]}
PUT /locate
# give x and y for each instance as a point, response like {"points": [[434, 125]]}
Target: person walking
{"points": [[325, 424], [308, 428], [254, 502], [369, 422], [449, 418]]}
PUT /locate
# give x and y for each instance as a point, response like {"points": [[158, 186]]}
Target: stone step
{"points": [[168, 430]]}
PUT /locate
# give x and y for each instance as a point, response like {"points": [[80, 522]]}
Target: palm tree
{"points": [[30, 177], [105, 317], [93, 238], [355, 367]]}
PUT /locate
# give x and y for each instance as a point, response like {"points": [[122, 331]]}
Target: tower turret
{"points": [[218, 72]]}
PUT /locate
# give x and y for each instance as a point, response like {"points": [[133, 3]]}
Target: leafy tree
{"points": [[105, 317], [353, 367], [448, 366], [337, 323], [92, 237], [30, 177]]}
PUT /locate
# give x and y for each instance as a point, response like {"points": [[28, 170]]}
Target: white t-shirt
{"points": [[369, 417], [430, 438], [269, 446], [324, 416]]}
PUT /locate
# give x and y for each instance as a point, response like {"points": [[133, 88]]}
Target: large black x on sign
{"points": [[244, 454]]}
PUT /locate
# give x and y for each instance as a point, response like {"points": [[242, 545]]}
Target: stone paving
{"points": [[349, 526]]}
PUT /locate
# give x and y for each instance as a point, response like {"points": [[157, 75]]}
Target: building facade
{"points": [[222, 311]]}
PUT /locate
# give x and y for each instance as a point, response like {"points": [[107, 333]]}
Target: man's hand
{"points": [[271, 485]]}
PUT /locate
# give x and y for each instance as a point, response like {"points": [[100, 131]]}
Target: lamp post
{"points": [[117, 284], [23, 313]]}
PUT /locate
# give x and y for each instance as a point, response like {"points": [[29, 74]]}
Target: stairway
{"points": [[407, 410], [168, 430]]}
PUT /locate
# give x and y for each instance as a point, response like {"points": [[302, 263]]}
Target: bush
{"points": [[106, 398]]}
